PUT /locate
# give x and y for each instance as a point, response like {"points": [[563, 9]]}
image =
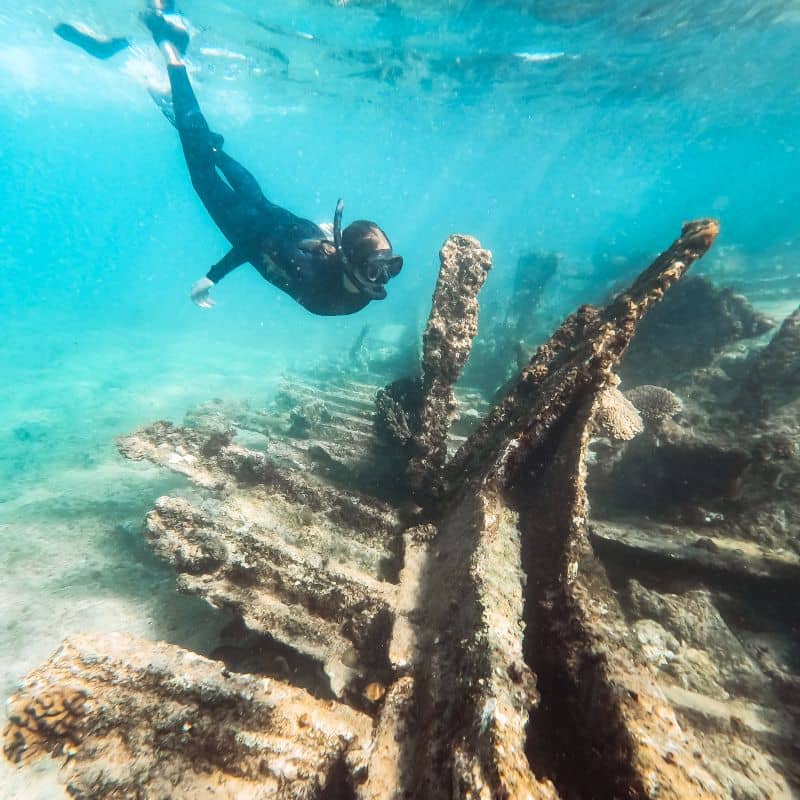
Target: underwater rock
{"points": [[695, 323], [666, 479], [718, 689], [447, 341], [131, 718], [766, 412], [773, 373], [697, 625], [728, 468], [708, 510], [706, 549]]}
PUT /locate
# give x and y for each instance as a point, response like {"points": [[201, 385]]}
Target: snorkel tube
{"points": [[375, 292], [337, 241], [337, 228]]}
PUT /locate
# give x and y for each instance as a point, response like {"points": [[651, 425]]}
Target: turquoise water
{"points": [[593, 129]]}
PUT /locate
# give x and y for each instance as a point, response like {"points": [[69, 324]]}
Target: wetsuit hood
{"points": [[368, 260]]}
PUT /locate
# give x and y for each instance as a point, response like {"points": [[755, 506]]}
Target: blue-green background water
{"points": [[586, 128]]}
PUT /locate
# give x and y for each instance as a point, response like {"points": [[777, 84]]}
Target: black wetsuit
{"points": [[260, 232]]}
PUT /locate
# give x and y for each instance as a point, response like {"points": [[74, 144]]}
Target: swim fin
{"points": [[101, 47]]}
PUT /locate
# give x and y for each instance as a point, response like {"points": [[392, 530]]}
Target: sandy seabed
{"points": [[71, 507]]}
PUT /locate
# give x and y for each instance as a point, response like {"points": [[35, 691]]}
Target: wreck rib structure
{"points": [[479, 649], [141, 719]]}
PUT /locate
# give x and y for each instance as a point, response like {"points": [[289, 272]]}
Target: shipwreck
{"points": [[424, 602]]}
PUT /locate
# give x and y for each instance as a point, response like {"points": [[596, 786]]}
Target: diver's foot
{"points": [[166, 26]]}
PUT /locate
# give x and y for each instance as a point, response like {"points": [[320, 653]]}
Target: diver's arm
{"points": [[199, 293], [234, 258]]}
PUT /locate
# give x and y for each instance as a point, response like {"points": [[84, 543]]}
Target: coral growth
{"points": [[308, 417], [654, 403], [708, 513], [731, 465], [397, 408], [616, 416]]}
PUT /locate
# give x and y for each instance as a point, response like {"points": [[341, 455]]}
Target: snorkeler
{"points": [[327, 277]]}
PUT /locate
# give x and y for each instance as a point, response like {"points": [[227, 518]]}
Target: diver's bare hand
{"points": [[199, 294]]}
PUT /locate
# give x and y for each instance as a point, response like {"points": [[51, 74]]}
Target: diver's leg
{"points": [[197, 140], [238, 177], [225, 206], [172, 38], [93, 43], [166, 25], [189, 120]]}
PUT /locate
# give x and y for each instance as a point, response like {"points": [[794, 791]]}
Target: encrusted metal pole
{"points": [[447, 342]]}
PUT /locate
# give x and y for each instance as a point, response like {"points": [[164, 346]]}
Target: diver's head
{"points": [[370, 260], [367, 256]]}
